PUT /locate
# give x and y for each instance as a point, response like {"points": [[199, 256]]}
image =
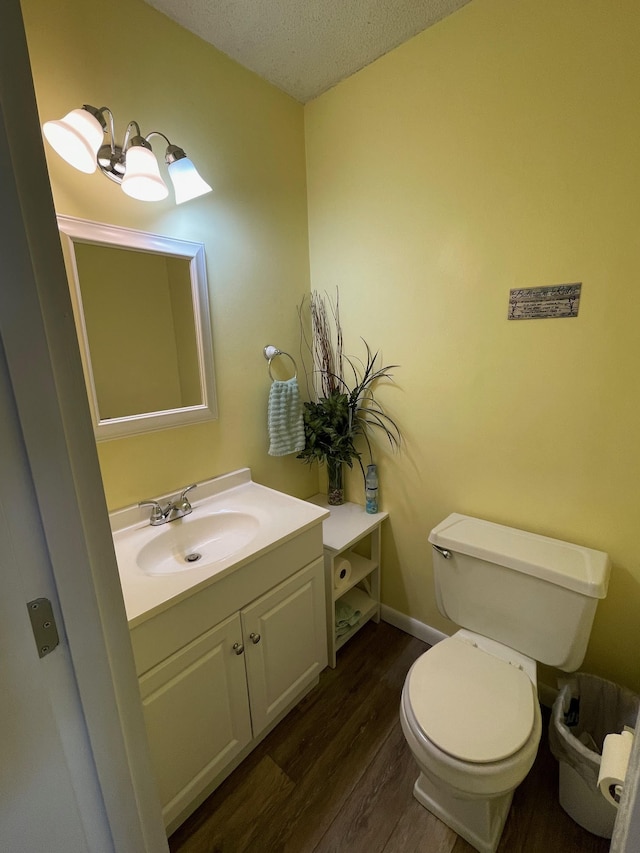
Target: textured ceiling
{"points": [[305, 47]]}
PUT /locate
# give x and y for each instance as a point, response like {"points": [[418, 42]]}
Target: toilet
{"points": [[469, 708]]}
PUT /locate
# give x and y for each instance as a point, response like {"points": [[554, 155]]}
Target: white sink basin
{"points": [[234, 520], [191, 543]]}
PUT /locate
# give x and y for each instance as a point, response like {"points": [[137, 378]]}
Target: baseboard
{"points": [[411, 626], [424, 632]]}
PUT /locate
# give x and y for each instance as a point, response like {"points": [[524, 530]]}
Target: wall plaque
{"points": [[535, 303]]}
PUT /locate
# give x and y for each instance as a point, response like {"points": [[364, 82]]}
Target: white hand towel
{"points": [[286, 426]]}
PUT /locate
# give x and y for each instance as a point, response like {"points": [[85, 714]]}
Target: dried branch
{"points": [[340, 413]]}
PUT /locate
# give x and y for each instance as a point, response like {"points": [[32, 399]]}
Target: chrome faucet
{"points": [[176, 508]]}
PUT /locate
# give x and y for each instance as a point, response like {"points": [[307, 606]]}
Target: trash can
{"points": [[587, 709]]}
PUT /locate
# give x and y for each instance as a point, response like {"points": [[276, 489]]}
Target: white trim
{"points": [[411, 626], [76, 230], [44, 365], [55, 736]]}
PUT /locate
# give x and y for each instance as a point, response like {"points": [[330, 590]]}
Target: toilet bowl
{"points": [[469, 708], [471, 718]]}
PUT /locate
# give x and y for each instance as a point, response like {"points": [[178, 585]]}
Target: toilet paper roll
{"points": [[613, 766], [341, 574]]}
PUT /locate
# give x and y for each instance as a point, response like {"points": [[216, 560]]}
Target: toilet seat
{"points": [[472, 705]]}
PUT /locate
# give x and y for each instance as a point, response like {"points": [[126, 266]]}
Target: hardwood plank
{"points": [[418, 831], [462, 846], [328, 760], [338, 700], [333, 733], [233, 818], [373, 817]]}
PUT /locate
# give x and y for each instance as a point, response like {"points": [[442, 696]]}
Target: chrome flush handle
{"points": [[446, 554]]}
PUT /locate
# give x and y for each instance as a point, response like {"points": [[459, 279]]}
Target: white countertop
{"points": [[280, 516], [346, 523]]}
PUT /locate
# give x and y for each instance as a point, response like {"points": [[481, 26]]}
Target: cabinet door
{"points": [[197, 714], [285, 641]]}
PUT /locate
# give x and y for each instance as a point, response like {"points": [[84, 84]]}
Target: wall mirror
{"points": [[141, 306]]}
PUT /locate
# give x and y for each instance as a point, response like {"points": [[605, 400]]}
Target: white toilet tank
{"points": [[532, 593]]}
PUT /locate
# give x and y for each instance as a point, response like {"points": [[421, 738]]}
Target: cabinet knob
{"points": [[255, 638], [238, 648]]}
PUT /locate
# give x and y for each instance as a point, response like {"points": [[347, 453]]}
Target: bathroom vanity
{"points": [[226, 646]]}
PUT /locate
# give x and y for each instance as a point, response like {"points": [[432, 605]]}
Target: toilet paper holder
{"points": [[616, 751]]}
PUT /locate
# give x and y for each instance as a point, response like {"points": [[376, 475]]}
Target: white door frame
{"points": [[50, 797], [38, 335]]}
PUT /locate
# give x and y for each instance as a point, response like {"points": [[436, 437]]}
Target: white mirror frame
{"points": [[83, 231]]}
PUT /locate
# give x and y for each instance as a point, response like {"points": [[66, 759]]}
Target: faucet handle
{"points": [[183, 501], [156, 513], [188, 489]]}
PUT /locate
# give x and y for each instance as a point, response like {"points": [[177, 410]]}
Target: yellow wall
{"points": [[247, 140], [498, 149]]}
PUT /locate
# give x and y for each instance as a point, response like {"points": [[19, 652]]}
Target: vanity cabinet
{"points": [[281, 636], [209, 702], [196, 711]]}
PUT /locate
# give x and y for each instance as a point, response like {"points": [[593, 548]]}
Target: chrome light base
{"points": [[111, 162]]}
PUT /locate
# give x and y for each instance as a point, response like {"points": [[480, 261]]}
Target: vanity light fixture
{"points": [[79, 138]]}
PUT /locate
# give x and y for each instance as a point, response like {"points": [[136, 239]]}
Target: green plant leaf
{"points": [[348, 411]]}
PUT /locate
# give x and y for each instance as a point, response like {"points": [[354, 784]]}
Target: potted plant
{"points": [[343, 407]]}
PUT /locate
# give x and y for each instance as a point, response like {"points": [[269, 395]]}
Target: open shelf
{"points": [[371, 610], [349, 527], [360, 568]]}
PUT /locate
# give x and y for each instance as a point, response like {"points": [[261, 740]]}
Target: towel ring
{"points": [[271, 352]]}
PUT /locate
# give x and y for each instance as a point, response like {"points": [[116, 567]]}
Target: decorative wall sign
{"points": [[535, 303]]}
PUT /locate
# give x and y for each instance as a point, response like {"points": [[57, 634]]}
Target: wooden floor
{"points": [[336, 775]]}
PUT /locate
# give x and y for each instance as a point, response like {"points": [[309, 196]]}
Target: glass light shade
{"points": [[142, 178], [76, 138], [187, 183]]}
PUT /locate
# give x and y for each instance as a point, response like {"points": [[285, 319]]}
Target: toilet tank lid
{"points": [[574, 567]]}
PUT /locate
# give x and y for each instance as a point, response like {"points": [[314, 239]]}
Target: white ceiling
{"points": [[305, 47]]}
